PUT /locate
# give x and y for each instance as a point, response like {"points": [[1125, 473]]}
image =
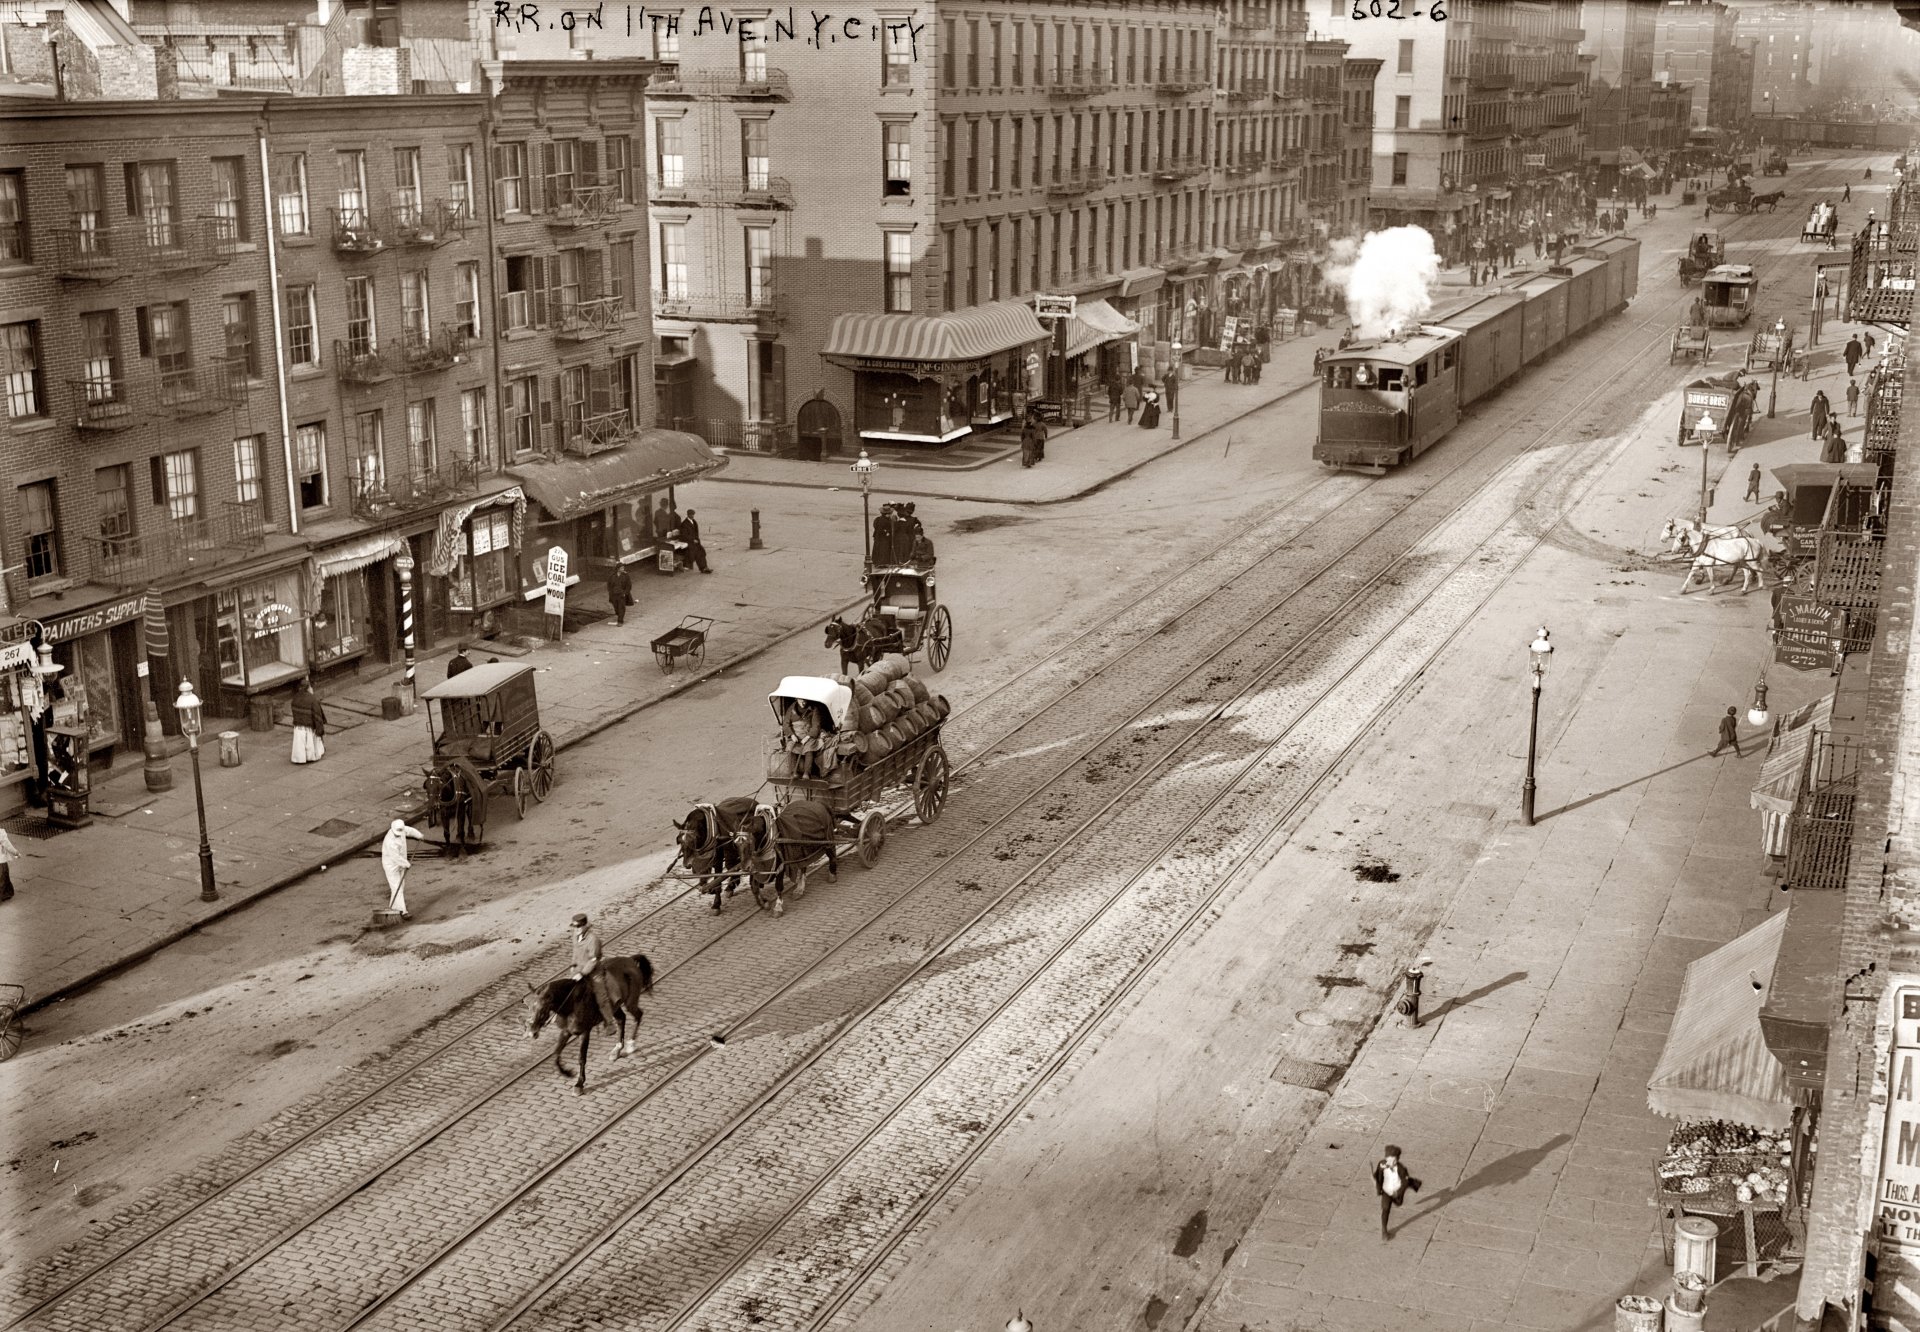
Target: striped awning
{"points": [[963, 335], [1716, 1064], [1142, 281], [1094, 323], [1779, 783]]}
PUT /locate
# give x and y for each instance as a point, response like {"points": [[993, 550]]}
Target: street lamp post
{"points": [[1779, 354], [864, 468], [1173, 385], [1538, 653], [189, 705]]}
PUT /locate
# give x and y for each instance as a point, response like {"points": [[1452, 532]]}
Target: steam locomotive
{"points": [[1384, 402]]}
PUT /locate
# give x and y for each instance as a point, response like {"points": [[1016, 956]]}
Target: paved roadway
{"points": [[892, 1024]]}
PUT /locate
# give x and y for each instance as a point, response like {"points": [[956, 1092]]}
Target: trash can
{"points": [[1696, 1241], [1685, 1320], [229, 749], [1637, 1313], [260, 713]]}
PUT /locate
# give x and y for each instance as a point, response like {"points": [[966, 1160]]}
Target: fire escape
{"points": [[1880, 273]]}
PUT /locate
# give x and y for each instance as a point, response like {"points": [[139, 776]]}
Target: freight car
{"points": [[1382, 403]]}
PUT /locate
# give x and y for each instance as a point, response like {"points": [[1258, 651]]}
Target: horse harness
{"points": [[762, 854], [713, 830]]}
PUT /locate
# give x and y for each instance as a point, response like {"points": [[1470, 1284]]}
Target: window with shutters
{"points": [[87, 207], [423, 449], [40, 530], [310, 464], [897, 158], [408, 194], [670, 153], [367, 462], [350, 196], [290, 194], [238, 328], [510, 177], [460, 180], [477, 448], [759, 253], [362, 335], [248, 487], [562, 162], [524, 297], [522, 410], [620, 167], [230, 198], [570, 267], [673, 260], [303, 341], [573, 401], [113, 504], [466, 299], [179, 476], [756, 162], [898, 257], [100, 356]]}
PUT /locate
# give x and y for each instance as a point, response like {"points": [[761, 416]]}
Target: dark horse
{"points": [[571, 1004], [777, 846], [457, 802], [859, 647], [707, 847]]}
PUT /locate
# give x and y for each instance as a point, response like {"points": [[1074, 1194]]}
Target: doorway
{"points": [[819, 429]]}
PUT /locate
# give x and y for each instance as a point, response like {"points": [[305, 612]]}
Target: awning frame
{"points": [[1716, 1064]]}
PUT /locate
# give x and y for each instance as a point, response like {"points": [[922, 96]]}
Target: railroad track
{"points": [[418, 1138]]}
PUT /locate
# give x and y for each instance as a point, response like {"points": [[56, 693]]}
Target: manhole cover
{"points": [[1307, 1073], [334, 828], [1312, 1017]]}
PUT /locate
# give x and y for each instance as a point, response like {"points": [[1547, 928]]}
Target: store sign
{"points": [[1054, 307], [16, 655], [556, 580], [93, 621], [1803, 632], [1896, 1296], [1533, 159], [271, 619]]}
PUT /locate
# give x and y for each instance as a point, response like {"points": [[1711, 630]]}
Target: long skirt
{"points": [[307, 747]]}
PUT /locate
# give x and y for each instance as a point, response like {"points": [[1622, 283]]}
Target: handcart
{"points": [[688, 639]]}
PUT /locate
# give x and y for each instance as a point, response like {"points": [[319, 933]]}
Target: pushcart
{"points": [[688, 639]]}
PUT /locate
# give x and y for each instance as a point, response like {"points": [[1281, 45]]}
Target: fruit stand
{"points": [[1726, 1170]]}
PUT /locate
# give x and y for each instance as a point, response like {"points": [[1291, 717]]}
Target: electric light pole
{"points": [[1538, 652]]}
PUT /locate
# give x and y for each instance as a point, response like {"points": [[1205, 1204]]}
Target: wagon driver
{"points": [[586, 965]]}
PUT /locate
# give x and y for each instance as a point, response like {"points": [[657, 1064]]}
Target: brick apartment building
{"points": [[1695, 41], [1619, 38], [1358, 77], [262, 352]]}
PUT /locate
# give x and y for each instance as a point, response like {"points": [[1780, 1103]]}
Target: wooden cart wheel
{"points": [[873, 836], [663, 655], [522, 788], [939, 638], [699, 651], [540, 764], [930, 785], [10, 1036]]}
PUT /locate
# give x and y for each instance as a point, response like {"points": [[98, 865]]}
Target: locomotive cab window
{"points": [[1446, 358], [1419, 373], [1340, 376], [1392, 379]]}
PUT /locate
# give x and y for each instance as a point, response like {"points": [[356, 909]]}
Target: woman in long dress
{"points": [[309, 725]]}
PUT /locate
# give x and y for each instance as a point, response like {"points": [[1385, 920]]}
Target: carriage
{"points": [[1705, 251], [858, 796], [1728, 293], [1732, 199], [487, 741], [1690, 341], [1771, 348], [1717, 411], [906, 600]]}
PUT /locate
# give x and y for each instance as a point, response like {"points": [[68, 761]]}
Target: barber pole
{"points": [[403, 562]]}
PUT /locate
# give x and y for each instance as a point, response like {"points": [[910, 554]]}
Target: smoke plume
{"points": [[1389, 279]]}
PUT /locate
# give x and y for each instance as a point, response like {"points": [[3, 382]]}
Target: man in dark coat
{"points": [[696, 553], [1854, 351], [1113, 399], [1730, 732], [1392, 1181], [619, 591], [459, 661], [1818, 411]]}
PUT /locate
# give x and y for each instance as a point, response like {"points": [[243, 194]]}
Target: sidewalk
{"points": [[94, 900], [1078, 462]]}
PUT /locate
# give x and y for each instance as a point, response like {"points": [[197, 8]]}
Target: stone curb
{"points": [[604, 722]]}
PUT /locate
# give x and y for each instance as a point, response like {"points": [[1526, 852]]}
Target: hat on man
{"points": [[580, 918]]}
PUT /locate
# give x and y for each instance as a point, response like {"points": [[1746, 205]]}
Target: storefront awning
{"points": [[1779, 784], [1142, 281], [653, 460], [963, 335], [353, 555], [1716, 1064], [1094, 323], [1804, 996]]}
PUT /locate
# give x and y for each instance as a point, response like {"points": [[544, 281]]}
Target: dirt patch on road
{"points": [[986, 522]]}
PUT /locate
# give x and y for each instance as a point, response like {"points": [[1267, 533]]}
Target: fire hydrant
{"points": [[1409, 1004]]}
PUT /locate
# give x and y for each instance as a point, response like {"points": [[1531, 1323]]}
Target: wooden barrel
{"points": [[1696, 1240], [1637, 1313]]}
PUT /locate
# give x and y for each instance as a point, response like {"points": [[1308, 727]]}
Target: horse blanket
{"points": [[724, 818], [802, 830]]}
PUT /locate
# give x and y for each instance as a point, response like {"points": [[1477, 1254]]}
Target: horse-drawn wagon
{"points": [[1822, 221], [487, 741], [1736, 198], [1728, 293], [1704, 252], [1717, 411]]}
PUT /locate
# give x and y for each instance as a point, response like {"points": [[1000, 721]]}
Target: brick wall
{"points": [[376, 71], [1883, 879]]}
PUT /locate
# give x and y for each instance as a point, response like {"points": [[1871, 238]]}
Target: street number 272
{"points": [[1391, 9]]}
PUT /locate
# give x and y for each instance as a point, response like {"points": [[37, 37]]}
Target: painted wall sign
{"points": [[93, 621], [1896, 1295]]}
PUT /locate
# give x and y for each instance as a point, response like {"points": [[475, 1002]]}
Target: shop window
{"points": [[87, 699], [261, 638], [113, 505], [248, 452], [303, 342], [290, 194], [13, 217], [340, 622], [26, 385], [310, 464], [40, 530], [482, 576], [230, 198]]}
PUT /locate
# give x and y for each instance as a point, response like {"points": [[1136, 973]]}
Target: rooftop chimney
{"points": [[376, 71]]}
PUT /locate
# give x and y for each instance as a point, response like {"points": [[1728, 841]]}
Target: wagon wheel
{"points": [[939, 636], [540, 764], [522, 788], [664, 655], [872, 836], [10, 1036], [930, 785]]}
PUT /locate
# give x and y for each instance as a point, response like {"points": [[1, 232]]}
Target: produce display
{"points": [[1726, 1163]]}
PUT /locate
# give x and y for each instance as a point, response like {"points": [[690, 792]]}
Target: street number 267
{"points": [[1391, 9]]}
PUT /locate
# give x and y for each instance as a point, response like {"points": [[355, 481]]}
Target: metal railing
{"points": [[588, 434], [101, 253], [193, 390], [1179, 168], [581, 199], [1246, 164], [232, 532], [1879, 283], [1249, 90], [580, 319], [356, 362], [1820, 829], [424, 489], [720, 83], [354, 231], [1066, 84], [448, 345], [1077, 182], [729, 191], [1180, 81], [740, 433], [102, 403], [435, 223], [1846, 568], [720, 307]]}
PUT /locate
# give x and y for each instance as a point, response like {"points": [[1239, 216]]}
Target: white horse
{"points": [[1691, 534], [1730, 553]]}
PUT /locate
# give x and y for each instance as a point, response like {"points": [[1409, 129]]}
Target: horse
{"points": [[776, 846], [1742, 553], [456, 802], [571, 1003], [1689, 534], [857, 649], [707, 847], [1770, 200]]}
